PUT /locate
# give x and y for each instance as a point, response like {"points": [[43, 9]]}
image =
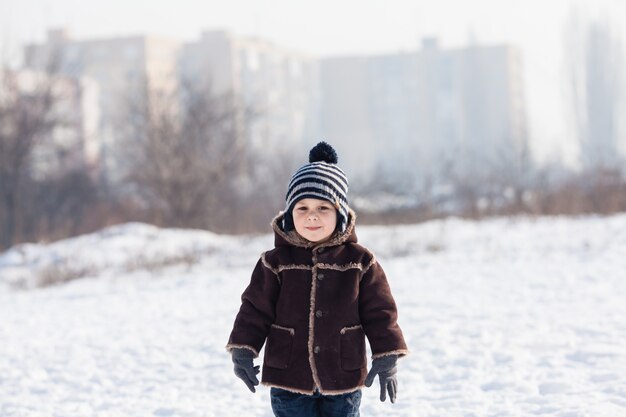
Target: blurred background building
{"points": [[122, 68], [277, 85], [419, 115], [275, 90], [410, 117]]}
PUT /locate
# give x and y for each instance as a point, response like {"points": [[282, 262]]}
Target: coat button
{"points": [[319, 313], [320, 276], [316, 349]]}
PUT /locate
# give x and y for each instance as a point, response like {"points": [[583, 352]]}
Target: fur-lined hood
{"points": [[282, 238]]}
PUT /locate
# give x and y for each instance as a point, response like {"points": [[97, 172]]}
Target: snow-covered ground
{"points": [[506, 317]]}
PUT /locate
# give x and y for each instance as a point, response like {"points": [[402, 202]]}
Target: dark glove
{"points": [[244, 367], [385, 368]]}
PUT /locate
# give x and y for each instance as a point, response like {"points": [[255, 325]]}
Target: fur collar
{"points": [[282, 238]]}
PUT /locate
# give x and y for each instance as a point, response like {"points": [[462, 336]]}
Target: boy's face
{"points": [[315, 220]]}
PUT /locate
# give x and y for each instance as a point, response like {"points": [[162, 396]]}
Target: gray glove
{"points": [[385, 368], [244, 367]]}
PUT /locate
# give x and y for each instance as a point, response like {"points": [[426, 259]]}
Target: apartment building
{"points": [[275, 87], [122, 67], [417, 115], [274, 90]]}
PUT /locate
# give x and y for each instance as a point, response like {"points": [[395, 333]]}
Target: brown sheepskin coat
{"points": [[315, 303]]}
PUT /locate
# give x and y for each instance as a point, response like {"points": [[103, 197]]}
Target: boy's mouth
{"points": [[313, 228]]}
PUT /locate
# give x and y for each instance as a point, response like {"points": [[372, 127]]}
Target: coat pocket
{"points": [[278, 348], [352, 347]]}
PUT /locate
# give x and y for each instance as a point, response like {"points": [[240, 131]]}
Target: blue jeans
{"points": [[290, 404]]}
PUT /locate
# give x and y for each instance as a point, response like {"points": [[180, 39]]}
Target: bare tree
{"points": [[26, 118], [183, 146], [45, 180]]}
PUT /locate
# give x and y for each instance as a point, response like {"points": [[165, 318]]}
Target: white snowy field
{"points": [[506, 317]]}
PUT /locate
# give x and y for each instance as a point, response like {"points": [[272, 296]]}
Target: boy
{"points": [[314, 298]]}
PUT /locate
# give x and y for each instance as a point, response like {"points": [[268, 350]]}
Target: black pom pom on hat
{"points": [[323, 152]]}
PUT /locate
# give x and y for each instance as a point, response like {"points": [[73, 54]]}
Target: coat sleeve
{"points": [[257, 310], [379, 313]]}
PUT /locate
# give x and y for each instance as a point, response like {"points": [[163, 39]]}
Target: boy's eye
{"points": [[323, 208], [301, 208]]}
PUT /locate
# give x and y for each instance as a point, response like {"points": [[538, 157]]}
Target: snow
{"points": [[504, 317]]}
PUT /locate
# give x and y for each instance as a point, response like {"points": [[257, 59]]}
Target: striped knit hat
{"points": [[321, 179]]}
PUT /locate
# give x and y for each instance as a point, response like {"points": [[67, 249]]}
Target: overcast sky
{"points": [[333, 27]]}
